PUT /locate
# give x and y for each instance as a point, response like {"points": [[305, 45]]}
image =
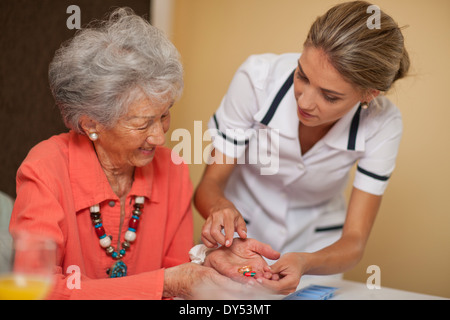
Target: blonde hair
{"points": [[367, 58]]}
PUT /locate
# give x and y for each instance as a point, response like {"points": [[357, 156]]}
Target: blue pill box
{"points": [[312, 292]]}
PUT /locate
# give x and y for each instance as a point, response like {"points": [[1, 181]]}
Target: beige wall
{"points": [[410, 241]]}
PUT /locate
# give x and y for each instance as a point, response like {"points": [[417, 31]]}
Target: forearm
{"points": [[208, 194], [345, 253], [173, 287], [183, 280], [339, 257], [76, 286]]}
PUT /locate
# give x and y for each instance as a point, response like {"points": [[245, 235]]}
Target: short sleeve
{"points": [[231, 125], [375, 168]]}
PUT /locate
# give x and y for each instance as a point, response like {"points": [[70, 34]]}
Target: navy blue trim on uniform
{"points": [[280, 95], [236, 142], [330, 228], [372, 175], [354, 130]]}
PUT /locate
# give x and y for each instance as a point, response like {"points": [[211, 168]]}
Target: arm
{"points": [[336, 258], [38, 210], [231, 120], [218, 211]]}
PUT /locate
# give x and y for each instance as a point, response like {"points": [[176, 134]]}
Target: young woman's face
{"points": [[322, 94], [132, 141]]}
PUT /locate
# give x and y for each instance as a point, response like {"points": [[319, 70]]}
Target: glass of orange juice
{"points": [[26, 266]]}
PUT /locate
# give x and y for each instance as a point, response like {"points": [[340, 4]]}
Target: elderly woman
{"points": [[108, 192]]}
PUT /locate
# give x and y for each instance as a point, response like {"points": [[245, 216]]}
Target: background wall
{"points": [[410, 241]]}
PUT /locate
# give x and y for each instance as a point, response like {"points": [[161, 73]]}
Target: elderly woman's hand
{"points": [[184, 280], [243, 252]]}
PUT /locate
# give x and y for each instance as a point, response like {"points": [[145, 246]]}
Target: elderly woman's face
{"points": [[133, 140]]}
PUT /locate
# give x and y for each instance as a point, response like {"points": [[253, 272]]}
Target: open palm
{"points": [[243, 252]]}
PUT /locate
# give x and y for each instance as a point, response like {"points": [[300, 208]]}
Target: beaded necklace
{"points": [[119, 268]]}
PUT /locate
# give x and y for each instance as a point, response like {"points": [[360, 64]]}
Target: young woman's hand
{"points": [[223, 215], [289, 268]]}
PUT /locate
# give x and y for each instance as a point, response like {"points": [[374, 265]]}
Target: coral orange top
{"points": [[61, 178]]}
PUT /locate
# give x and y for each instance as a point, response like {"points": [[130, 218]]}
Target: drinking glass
{"points": [[26, 266]]}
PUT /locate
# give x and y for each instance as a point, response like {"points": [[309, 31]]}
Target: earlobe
{"points": [[371, 94], [368, 98], [89, 127]]}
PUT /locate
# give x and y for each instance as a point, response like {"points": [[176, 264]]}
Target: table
{"points": [[352, 290]]}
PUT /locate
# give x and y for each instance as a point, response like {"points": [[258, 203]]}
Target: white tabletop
{"points": [[346, 290], [351, 290]]}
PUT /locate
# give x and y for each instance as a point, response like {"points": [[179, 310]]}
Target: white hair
{"points": [[109, 64]]}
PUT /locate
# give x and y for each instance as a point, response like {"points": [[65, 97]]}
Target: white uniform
{"points": [[297, 205]]}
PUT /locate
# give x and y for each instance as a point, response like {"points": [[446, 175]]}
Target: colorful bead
{"points": [[126, 245], [133, 223], [99, 230], [105, 242], [130, 236], [139, 200], [118, 270], [95, 215]]}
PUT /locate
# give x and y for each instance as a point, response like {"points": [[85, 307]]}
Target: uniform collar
{"points": [[284, 118], [347, 134], [89, 183]]}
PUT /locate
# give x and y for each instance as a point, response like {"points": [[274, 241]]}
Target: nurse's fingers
{"points": [[283, 286], [228, 228], [241, 227], [233, 222], [217, 223], [268, 271], [208, 243], [207, 238]]}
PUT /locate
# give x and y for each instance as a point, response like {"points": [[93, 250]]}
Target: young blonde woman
{"points": [[328, 110]]}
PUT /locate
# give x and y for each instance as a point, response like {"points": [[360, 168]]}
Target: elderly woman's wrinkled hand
{"points": [[229, 261], [187, 280]]}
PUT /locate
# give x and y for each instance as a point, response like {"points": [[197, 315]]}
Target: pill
{"points": [[245, 269]]}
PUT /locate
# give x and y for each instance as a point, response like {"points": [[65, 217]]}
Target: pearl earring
{"points": [[93, 136], [364, 105]]}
